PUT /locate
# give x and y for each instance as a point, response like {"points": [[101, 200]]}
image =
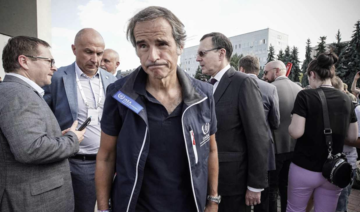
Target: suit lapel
{"points": [[104, 79], [71, 90], [223, 84]]}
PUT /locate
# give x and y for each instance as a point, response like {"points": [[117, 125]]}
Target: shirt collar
{"points": [[80, 73], [250, 74], [37, 88], [221, 73]]}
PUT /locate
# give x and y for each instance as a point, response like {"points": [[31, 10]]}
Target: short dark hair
{"points": [[153, 12], [20, 45], [323, 66], [250, 64], [220, 41]]}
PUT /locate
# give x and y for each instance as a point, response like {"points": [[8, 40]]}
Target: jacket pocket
{"points": [[43, 186]]}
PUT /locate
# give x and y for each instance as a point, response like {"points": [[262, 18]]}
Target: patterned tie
{"points": [[213, 81]]}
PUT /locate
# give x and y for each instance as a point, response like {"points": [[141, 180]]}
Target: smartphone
{"points": [[85, 124]]}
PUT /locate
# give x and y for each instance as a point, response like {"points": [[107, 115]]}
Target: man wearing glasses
{"points": [[77, 92], [242, 135], [35, 172], [274, 72]]}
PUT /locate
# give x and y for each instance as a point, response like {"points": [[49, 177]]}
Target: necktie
{"points": [[213, 81]]}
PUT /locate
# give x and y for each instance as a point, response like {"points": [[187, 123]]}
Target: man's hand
{"points": [[252, 198], [65, 131], [211, 207], [79, 134], [357, 76]]}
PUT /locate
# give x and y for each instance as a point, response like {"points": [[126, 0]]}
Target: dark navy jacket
{"points": [[119, 119]]}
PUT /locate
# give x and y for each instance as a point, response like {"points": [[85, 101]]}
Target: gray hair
{"points": [[153, 12]]}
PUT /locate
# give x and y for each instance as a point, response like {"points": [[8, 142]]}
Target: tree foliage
{"points": [[200, 76], [308, 49], [294, 59], [271, 54], [349, 61], [234, 60], [321, 46], [280, 56]]}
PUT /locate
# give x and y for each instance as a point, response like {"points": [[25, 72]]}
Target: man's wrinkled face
{"points": [[269, 73], [156, 48]]}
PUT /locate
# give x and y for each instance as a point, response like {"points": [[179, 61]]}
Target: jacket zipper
{"points": [[137, 169], [187, 151]]}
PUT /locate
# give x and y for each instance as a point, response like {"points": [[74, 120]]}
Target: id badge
{"points": [[94, 117]]}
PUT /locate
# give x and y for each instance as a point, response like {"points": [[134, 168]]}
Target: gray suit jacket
{"points": [[35, 173], [287, 92], [270, 101], [242, 135], [61, 95]]}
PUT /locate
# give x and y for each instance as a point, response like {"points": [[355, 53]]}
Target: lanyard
{"points": [[83, 95]]}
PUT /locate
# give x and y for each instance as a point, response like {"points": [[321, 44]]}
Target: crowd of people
{"points": [[160, 140]]}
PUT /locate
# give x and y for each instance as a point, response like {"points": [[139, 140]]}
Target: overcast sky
{"points": [[300, 19]]}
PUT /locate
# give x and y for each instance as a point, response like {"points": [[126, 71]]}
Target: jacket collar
{"points": [[190, 92], [224, 83]]}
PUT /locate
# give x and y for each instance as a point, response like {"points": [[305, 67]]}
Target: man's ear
{"points": [[179, 50], [241, 69], [222, 54], [22, 60], [73, 48], [117, 64]]}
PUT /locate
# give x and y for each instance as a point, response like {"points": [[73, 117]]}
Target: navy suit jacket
{"points": [[61, 95]]}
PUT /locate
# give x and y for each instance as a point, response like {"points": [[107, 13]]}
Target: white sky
{"points": [[300, 19]]}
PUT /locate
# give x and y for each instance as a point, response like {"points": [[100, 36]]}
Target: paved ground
{"points": [[354, 201]]}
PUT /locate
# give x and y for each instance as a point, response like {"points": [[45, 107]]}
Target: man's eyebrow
{"points": [[140, 42]]}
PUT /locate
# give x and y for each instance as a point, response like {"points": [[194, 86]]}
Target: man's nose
{"points": [[153, 54]]}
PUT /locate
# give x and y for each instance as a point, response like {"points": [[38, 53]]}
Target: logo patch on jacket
{"points": [[205, 130], [127, 102]]}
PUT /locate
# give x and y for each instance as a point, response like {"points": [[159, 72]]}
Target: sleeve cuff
{"points": [[255, 189]]}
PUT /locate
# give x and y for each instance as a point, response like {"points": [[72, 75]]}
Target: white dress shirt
{"points": [[37, 88]]}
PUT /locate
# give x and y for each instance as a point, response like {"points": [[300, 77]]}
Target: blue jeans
{"points": [[343, 198]]}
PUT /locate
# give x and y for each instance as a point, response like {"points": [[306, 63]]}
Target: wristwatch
{"points": [[214, 199]]}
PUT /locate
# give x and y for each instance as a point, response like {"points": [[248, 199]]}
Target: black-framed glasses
{"points": [[203, 53], [50, 60]]}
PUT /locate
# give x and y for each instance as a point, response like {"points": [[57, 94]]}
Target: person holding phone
{"points": [[35, 172], [77, 92]]}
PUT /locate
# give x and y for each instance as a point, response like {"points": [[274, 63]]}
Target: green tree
{"points": [[295, 70], [200, 76], [349, 62], [308, 49], [287, 55], [234, 60], [280, 56], [271, 54], [321, 46]]}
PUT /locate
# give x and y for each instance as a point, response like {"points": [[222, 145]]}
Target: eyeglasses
{"points": [[265, 72], [203, 53], [51, 61]]}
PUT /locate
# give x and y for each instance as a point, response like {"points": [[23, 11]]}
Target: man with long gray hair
{"points": [[158, 128]]}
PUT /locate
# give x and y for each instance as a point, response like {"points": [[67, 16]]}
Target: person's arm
{"points": [[257, 138], [213, 172], [274, 112], [105, 168], [297, 126], [352, 138], [353, 85]]}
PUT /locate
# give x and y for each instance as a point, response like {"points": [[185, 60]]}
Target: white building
{"points": [[254, 43]]}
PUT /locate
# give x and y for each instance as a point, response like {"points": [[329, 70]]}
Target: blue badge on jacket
{"points": [[128, 102]]}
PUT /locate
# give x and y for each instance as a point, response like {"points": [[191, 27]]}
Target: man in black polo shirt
{"points": [[158, 128]]}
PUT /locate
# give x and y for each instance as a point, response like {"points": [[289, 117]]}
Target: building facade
{"points": [[253, 43], [24, 17]]}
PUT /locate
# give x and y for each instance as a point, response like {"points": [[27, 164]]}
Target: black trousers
{"points": [[278, 181], [233, 204]]}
